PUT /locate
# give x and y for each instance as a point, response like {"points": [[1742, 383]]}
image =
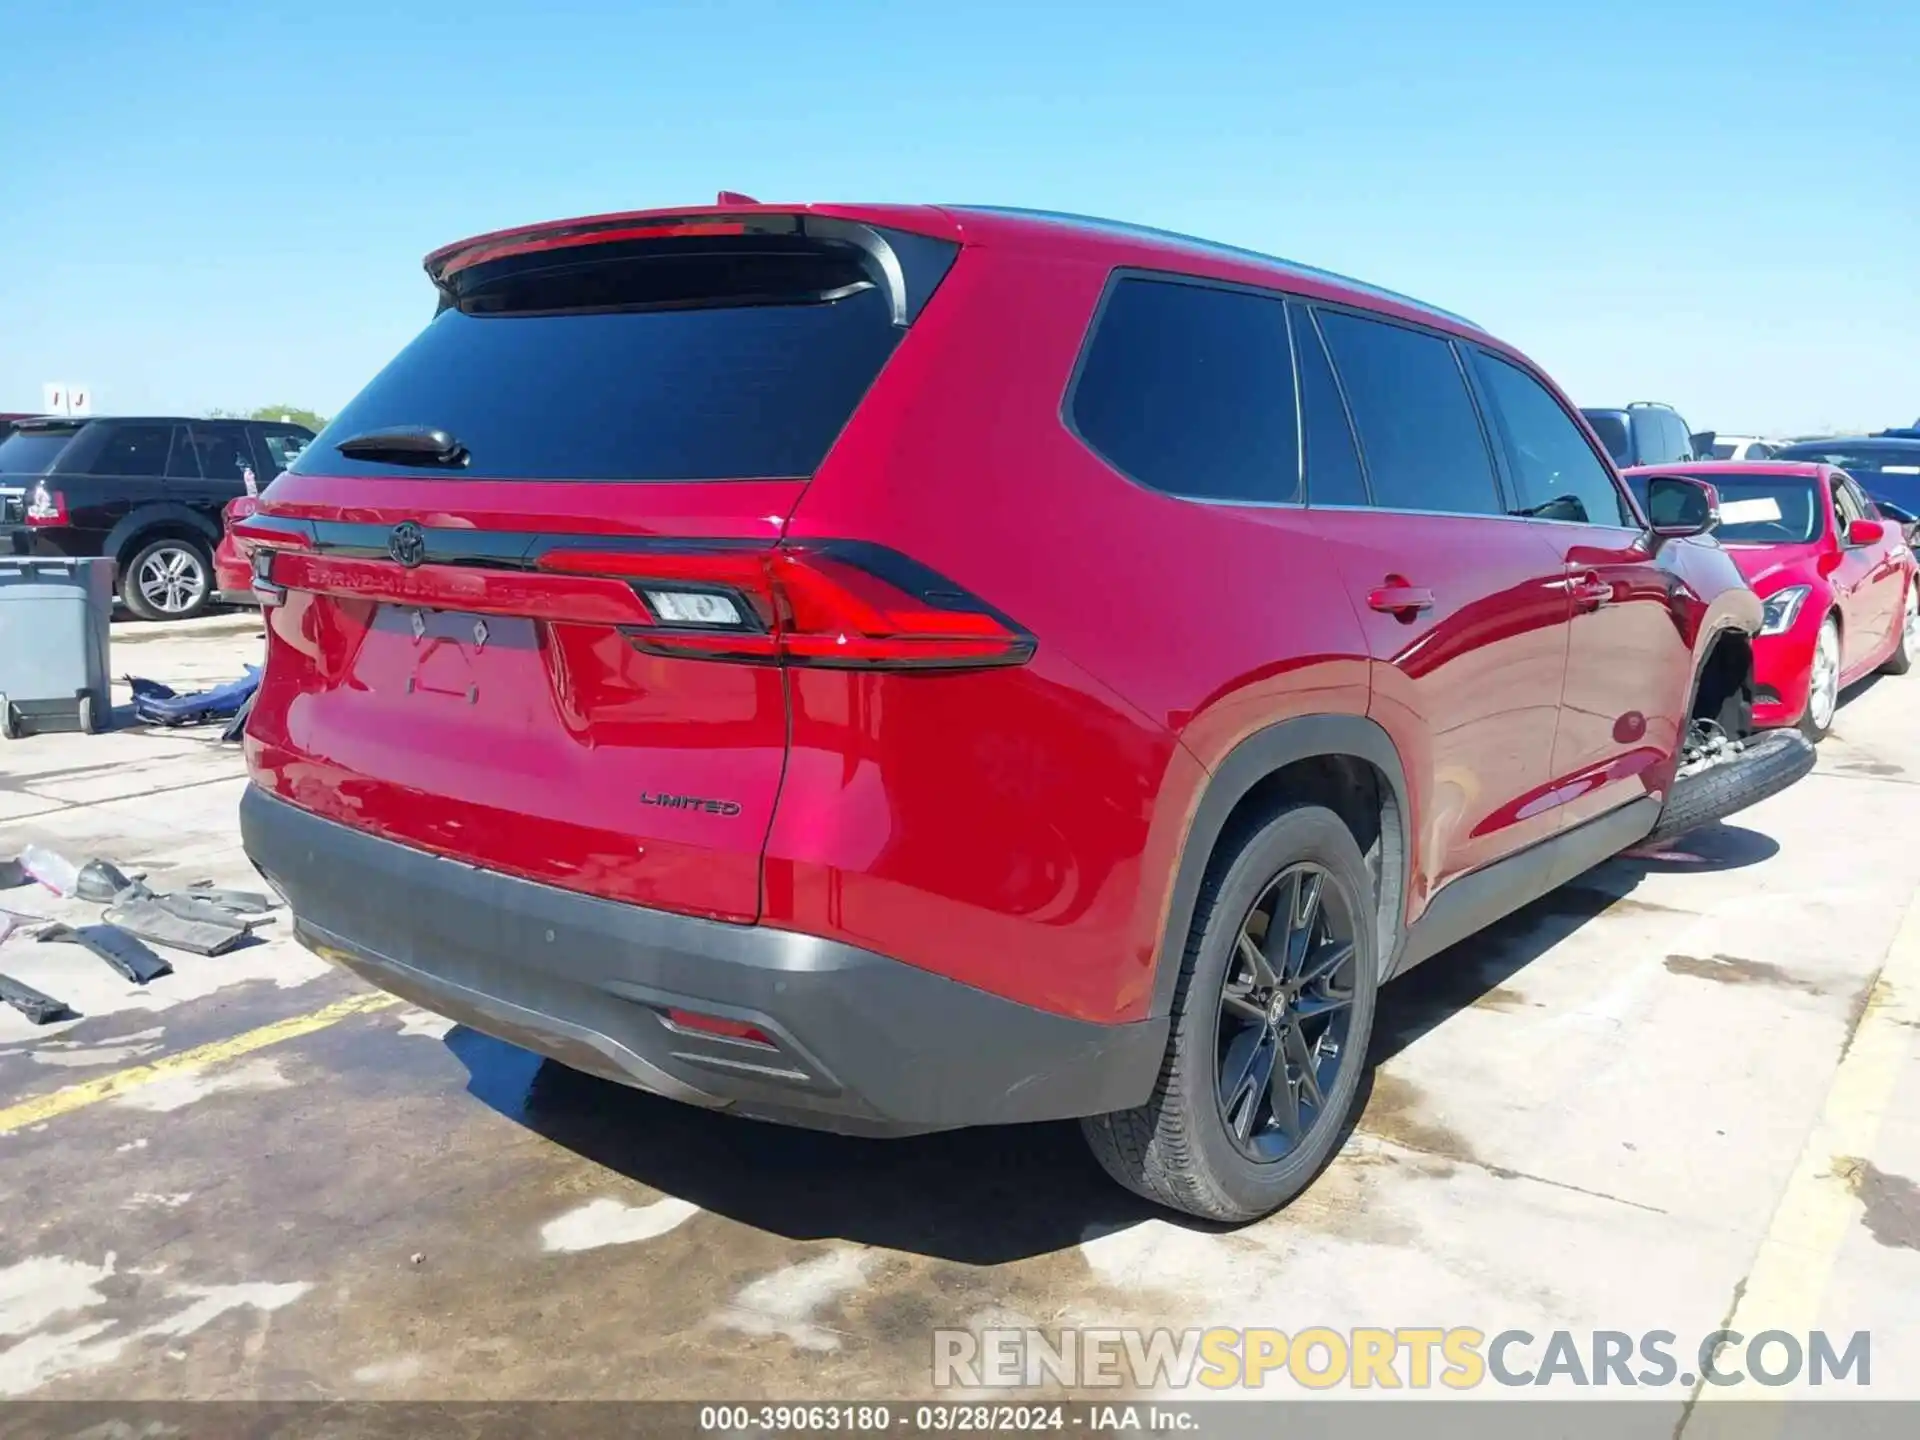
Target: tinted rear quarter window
{"points": [[1419, 432], [634, 363], [1189, 389]]}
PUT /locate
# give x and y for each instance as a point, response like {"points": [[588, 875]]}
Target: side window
{"points": [[1189, 389], [282, 448], [1682, 440], [1861, 503], [139, 450], [1419, 432], [1555, 471], [1333, 465], [1650, 439], [1846, 509], [225, 455]]}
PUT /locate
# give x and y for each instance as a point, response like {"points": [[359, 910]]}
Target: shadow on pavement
{"points": [[987, 1196], [1474, 971], [978, 1197]]}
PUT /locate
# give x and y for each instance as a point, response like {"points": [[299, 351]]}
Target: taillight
{"points": [[46, 507], [264, 590], [833, 604], [255, 534]]}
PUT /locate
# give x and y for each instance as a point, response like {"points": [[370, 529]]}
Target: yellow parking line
{"points": [[1788, 1278], [106, 1087]]}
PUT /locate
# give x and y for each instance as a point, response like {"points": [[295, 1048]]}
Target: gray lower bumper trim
{"points": [[860, 1042]]}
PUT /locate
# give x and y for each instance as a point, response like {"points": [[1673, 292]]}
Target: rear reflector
{"points": [[719, 1025]]}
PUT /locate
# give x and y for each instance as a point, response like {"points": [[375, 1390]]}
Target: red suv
{"points": [[888, 669]]}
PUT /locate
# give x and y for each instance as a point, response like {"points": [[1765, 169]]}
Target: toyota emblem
{"points": [[407, 544]]}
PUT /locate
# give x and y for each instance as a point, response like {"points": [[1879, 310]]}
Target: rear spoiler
{"points": [[906, 267]]}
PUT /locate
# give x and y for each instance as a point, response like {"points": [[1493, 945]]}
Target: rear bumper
{"points": [[863, 1044]]}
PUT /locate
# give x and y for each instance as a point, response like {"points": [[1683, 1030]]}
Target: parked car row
{"points": [[146, 491], [712, 656]]}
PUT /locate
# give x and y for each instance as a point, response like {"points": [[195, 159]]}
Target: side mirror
{"points": [[1866, 532], [1679, 506]]}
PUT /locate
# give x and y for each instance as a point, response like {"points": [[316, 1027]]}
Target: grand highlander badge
{"points": [[407, 543]]}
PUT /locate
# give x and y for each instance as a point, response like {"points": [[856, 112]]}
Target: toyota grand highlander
{"points": [[888, 669]]}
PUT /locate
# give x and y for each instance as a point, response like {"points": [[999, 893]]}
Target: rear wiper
{"points": [[406, 445]]}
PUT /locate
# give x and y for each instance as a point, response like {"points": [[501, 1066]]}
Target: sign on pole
{"points": [[64, 398]]}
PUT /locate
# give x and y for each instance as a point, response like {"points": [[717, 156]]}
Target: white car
{"points": [[1744, 447]]}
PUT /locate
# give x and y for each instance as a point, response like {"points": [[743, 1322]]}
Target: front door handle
{"points": [[1399, 599], [1589, 591]]}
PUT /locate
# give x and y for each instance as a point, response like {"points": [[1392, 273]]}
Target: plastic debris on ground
{"points": [[158, 704], [126, 953], [51, 869], [178, 922], [100, 880], [40, 1009]]}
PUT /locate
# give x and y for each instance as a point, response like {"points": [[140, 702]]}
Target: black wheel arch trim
{"points": [[127, 534], [1252, 760]]}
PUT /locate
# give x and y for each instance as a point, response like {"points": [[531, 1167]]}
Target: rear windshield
{"points": [[1612, 430], [627, 364], [32, 452]]}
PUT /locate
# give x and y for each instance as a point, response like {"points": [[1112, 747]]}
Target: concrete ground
{"points": [[1678, 1091]]}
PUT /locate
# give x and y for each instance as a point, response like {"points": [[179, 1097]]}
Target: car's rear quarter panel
{"points": [[1020, 829]]}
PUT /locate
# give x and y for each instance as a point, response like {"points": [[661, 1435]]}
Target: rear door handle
{"points": [[1398, 598]]}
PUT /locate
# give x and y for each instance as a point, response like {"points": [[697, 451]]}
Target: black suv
{"points": [[1645, 433], [146, 491]]}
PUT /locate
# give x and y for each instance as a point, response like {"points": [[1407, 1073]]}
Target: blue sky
{"points": [[1713, 204]]}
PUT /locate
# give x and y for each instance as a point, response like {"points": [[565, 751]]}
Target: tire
{"points": [[1765, 766], [88, 724], [1905, 648], [1177, 1149], [1823, 685], [168, 579]]}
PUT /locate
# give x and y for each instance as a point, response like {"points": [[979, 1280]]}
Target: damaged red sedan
{"points": [[1837, 582]]}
